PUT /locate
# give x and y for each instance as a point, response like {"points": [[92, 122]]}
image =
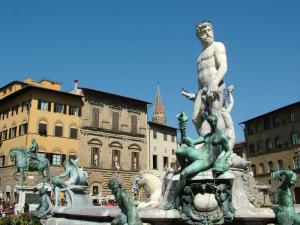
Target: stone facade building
{"points": [[113, 138], [272, 141], [162, 139], [38, 110]]}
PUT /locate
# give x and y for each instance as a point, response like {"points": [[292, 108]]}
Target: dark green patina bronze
{"points": [[27, 160], [214, 153], [129, 214], [285, 211]]}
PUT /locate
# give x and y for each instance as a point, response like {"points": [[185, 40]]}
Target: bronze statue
{"points": [[45, 204], [214, 154], [285, 211], [76, 177], [27, 160], [129, 214]]}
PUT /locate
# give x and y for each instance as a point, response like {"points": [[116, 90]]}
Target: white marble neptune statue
{"points": [[212, 67]]}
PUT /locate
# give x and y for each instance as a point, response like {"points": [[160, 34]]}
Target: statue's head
{"points": [[187, 190], [212, 120], [114, 184], [42, 190], [32, 140], [205, 33]]}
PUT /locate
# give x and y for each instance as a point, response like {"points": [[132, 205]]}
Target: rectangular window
{"points": [[276, 121], [15, 110], [154, 162], [23, 129], [292, 117], [73, 110], [269, 144], [12, 132], [250, 129], [56, 159], [95, 190], [73, 133], [95, 117], [58, 131], [297, 162], [25, 106], [166, 162], [173, 166], [43, 129], [172, 138], [2, 160], [278, 142], [294, 138], [65, 109], [267, 124], [0, 136], [4, 135], [165, 137], [115, 120], [259, 146], [58, 108], [154, 134], [43, 105], [116, 159], [280, 164], [251, 149], [95, 156], [134, 124], [135, 161]]}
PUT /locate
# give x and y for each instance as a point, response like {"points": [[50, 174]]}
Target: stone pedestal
{"points": [[26, 194]]}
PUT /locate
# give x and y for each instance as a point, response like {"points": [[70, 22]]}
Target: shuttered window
{"points": [[115, 120], [134, 124], [95, 117]]}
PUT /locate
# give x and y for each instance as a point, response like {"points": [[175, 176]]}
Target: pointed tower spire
{"points": [[159, 111]]}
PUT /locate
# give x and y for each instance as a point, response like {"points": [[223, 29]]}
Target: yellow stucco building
{"points": [[38, 110]]}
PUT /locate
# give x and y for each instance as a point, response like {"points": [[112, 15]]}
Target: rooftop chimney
{"points": [[75, 85]]}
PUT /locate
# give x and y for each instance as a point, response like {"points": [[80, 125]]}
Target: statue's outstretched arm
{"points": [[67, 172], [199, 140]]}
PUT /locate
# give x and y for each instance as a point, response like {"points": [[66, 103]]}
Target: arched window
{"points": [[253, 168], [58, 130], [13, 131], [297, 161], [270, 166], [23, 128], [95, 145], [261, 168], [42, 128], [4, 134], [73, 132]]}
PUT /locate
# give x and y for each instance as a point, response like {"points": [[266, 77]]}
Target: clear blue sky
{"points": [[127, 47]]}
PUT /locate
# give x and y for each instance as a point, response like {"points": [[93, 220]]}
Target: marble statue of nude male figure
{"points": [[212, 67]]}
